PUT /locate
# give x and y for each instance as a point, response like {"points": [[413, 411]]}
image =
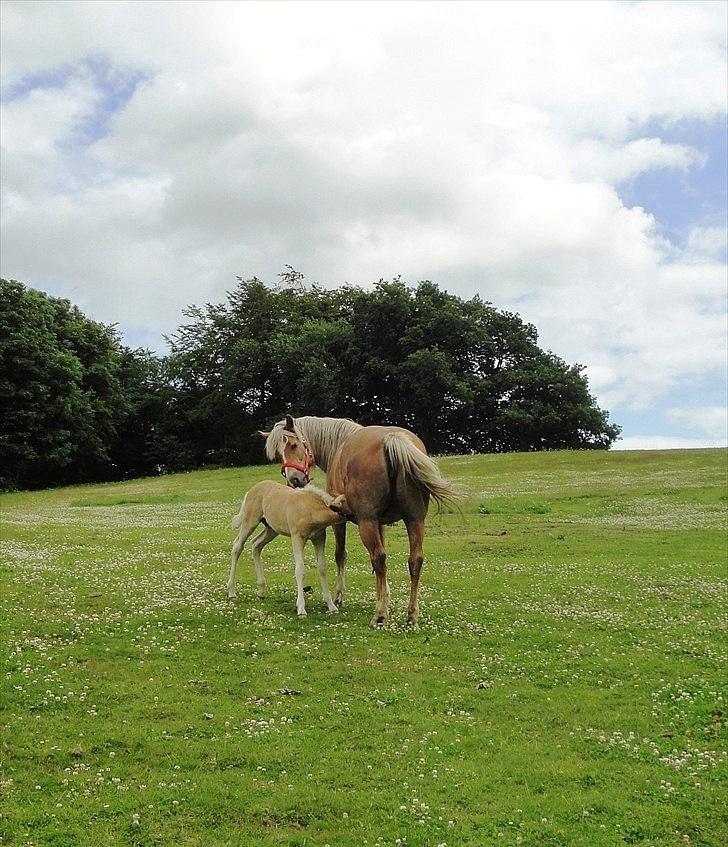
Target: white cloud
{"points": [[708, 242], [666, 442], [709, 420], [480, 145], [38, 131]]}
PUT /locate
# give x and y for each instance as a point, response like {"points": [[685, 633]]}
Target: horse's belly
{"points": [[275, 516], [391, 516], [277, 525]]}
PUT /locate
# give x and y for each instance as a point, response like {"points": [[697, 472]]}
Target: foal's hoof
{"points": [[377, 622], [302, 615], [339, 601], [232, 595]]}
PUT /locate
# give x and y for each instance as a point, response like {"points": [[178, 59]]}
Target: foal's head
{"points": [[297, 460]]}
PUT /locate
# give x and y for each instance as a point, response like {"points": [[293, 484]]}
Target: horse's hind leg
{"points": [[257, 546], [319, 543], [340, 556], [382, 536], [415, 532], [245, 531], [372, 539]]}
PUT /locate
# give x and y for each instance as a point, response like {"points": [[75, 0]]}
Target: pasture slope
{"points": [[563, 686]]}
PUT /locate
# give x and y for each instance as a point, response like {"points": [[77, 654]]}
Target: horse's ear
{"points": [[289, 424], [263, 435]]}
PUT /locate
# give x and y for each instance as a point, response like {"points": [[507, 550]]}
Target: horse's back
{"points": [[368, 442], [291, 511], [362, 472]]}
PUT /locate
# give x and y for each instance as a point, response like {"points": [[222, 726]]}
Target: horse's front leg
{"points": [[415, 532], [372, 539], [297, 543], [319, 543], [340, 556]]}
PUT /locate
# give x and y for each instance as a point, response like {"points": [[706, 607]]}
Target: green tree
{"points": [[74, 399], [465, 376], [58, 386], [138, 448], [461, 373]]}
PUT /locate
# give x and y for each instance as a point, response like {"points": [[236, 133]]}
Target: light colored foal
{"points": [[301, 514]]}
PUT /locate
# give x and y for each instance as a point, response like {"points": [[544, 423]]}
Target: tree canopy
{"points": [[72, 395], [464, 375]]}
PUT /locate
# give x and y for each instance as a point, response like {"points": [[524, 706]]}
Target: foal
{"points": [[301, 514]]}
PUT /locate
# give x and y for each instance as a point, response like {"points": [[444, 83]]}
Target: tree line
{"points": [[80, 406]]}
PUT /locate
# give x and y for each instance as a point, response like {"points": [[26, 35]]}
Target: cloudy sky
{"points": [[566, 160]]}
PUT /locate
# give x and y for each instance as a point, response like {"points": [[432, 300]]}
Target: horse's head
{"points": [[297, 460]]}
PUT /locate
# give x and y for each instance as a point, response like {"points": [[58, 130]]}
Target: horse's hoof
{"points": [[377, 622], [339, 602], [302, 615], [334, 611], [233, 595]]}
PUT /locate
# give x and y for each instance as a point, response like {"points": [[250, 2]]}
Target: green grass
{"points": [[565, 686]]}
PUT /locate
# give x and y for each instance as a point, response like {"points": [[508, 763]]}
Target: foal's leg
{"points": [[372, 539], [245, 531], [297, 543], [319, 543], [340, 556], [415, 531], [259, 543]]}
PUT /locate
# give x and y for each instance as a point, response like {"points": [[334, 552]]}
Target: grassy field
{"points": [[565, 686]]}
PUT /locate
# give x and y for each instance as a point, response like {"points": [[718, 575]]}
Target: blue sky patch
{"points": [[116, 86], [681, 200]]}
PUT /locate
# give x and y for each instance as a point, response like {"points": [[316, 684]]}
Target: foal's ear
{"points": [[263, 435], [289, 424]]}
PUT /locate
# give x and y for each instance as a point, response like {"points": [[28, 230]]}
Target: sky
{"points": [[563, 160]]}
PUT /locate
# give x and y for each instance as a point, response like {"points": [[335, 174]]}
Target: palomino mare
{"points": [[384, 473]]}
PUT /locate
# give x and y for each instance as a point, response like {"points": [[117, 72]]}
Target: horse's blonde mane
{"points": [[324, 435]]}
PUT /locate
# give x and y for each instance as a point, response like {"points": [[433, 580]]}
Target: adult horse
{"points": [[385, 475]]}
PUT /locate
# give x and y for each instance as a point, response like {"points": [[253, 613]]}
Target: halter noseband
{"points": [[305, 468]]}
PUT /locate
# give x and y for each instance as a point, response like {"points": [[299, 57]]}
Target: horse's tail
{"points": [[238, 519], [407, 459]]}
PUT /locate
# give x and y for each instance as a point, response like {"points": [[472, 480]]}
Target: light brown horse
{"points": [[384, 473], [301, 515]]}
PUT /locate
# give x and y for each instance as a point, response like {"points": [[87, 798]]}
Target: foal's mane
{"points": [[319, 492], [324, 435]]}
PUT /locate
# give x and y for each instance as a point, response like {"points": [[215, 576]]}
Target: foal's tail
{"points": [[409, 460], [238, 519]]}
